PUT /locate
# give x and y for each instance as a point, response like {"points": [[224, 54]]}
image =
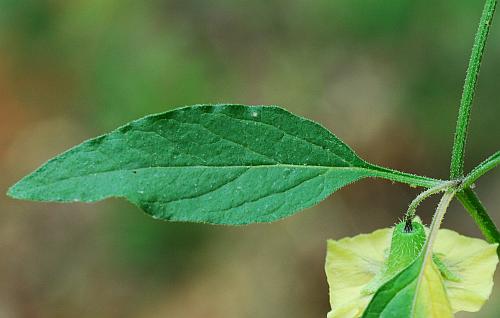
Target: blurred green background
{"points": [[385, 76]]}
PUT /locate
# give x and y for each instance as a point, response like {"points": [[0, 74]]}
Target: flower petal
{"points": [[474, 262], [466, 267], [351, 263]]}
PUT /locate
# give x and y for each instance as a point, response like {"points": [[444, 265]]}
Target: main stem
{"points": [[457, 159]]}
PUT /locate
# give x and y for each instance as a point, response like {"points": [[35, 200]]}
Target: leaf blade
{"points": [[221, 164]]}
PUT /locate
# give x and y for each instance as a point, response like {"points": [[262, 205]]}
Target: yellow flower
{"points": [[466, 266]]}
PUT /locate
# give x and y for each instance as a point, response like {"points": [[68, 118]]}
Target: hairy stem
{"points": [[412, 180], [439, 216], [457, 159], [410, 213], [481, 169]]}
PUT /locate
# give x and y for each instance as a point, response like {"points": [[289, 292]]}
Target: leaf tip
{"points": [[24, 189], [15, 191]]}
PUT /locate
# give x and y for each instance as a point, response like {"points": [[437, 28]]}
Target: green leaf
{"points": [[220, 164], [404, 296]]}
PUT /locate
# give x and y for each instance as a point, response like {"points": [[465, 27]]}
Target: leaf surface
{"points": [[220, 164], [404, 296]]}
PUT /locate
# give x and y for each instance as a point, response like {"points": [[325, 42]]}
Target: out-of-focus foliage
{"points": [[70, 70]]}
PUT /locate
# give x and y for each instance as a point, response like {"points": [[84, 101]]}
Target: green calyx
{"points": [[407, 243], [408, 240]]}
